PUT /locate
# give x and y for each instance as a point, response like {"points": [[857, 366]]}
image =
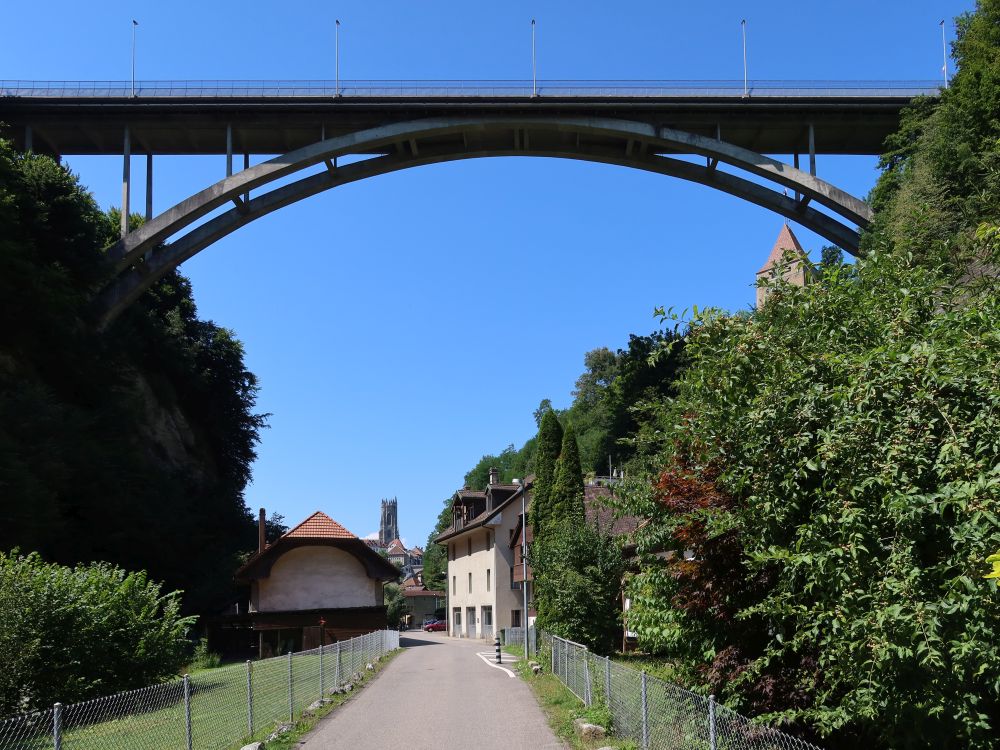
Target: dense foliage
{"points": [[69, 634], [395, 604], [578, 572], [132, 446], [566, 496], [548, 446], [830, 466]]}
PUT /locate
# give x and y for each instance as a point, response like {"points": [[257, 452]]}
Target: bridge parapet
{"points": [[378, 89]]}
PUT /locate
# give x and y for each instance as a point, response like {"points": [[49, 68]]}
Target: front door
{"points": [[487, 622], [470, 625], [456, 630]]}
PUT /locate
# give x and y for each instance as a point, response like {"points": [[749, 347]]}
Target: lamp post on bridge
{"points": [[746, 90], [134, 24], [944, 56], [534, 77]]}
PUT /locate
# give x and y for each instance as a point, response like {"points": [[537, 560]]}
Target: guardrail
{"points": [[681, 89]]}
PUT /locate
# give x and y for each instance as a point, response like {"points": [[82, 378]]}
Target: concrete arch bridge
{"points": [[712, 135]]}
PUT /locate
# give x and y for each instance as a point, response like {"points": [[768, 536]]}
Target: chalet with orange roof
{"points": [[316, 584], [787, 261]]}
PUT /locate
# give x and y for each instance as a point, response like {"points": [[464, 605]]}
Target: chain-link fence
{"points": [[515, 637], [212, 710], [654, 713]]}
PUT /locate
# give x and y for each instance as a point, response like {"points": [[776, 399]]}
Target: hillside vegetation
{"points": [[833, 463], [133, 446]]}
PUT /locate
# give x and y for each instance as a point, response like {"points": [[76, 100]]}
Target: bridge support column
{"points": [[149, 186], [126, 179], [28, 144], [229, 150], [795, 163], [246, 166], [812, 150]]}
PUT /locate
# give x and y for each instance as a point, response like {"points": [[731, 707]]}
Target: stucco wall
{"points": [[498, 561], [316, 578]]}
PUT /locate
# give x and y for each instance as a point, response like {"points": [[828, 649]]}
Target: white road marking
{"points": [[487, 658]]}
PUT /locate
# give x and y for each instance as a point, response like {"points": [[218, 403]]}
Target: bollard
{"points": [[496, 643], [249, 698], [187, 712]]}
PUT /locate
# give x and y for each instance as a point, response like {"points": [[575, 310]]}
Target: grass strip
{"points": [[562, 708], [305, 724]]}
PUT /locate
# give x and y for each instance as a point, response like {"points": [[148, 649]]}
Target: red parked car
{"points": [[435, 626]]}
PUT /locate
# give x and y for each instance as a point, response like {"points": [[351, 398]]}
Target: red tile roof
{"points": [[786, 241], [319, 526]]}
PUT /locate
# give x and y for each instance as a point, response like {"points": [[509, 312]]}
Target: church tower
{"points": [[389, 525], [787, 260]]}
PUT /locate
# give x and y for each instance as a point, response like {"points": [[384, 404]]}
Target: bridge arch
{"points": [[140, 258]]}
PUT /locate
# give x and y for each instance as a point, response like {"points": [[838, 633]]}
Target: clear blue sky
{"points": [[404, 326]]}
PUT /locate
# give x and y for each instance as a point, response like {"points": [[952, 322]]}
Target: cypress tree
{"points": [[566, 495], [550, 436]]}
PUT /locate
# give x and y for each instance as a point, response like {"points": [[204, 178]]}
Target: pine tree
{"points": [[550, 436], [566, 495]]}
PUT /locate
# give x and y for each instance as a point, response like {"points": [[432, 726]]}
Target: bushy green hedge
{"points": [[69, 634]]}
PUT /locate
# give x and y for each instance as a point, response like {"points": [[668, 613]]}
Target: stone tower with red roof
{"points": [[787, 260]]}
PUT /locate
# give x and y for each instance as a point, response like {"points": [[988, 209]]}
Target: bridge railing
{"points": [[681, 89]]}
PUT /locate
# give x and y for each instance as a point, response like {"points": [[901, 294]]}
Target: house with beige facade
{"points": [[483, 594], [316, 584]]}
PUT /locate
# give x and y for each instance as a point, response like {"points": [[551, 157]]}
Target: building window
{"points": [[513, 584], [515, 618], [488, 579], [454, 585], [470, 545], [470, 583]]}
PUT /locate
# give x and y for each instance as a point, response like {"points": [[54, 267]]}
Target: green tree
{"points": [[69, 634], [435, 573], [578, 574], [545, 405], [395, 604], [566, 496], [547, 450]]}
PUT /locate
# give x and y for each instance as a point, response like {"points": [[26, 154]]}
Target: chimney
{"points": [[494, 475], [261, 535]]}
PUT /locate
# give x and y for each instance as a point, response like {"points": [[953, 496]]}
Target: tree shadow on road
{"points": [[413, 642]]}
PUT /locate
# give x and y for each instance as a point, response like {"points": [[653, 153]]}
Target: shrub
{"points": [[69, 634]]}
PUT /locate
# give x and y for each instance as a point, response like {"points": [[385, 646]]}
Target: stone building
{"points": [[388, 528], [788, 261]]}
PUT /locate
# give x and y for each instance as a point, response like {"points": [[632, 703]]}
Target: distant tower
{"points": [[787, 260], [389, 525]]}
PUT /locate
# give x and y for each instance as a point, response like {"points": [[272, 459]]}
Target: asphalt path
{"points": [[439, 694]]}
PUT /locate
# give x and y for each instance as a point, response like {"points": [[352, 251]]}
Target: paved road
{"points": [[438, 695]]}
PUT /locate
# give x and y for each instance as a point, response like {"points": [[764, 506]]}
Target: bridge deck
{"points": [[276, 117]]}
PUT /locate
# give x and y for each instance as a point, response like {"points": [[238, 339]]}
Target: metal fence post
{"points": [[711, 722], [588, 698], [645, 715], [336, 669], [607, 681], [57, 726], [249, 698], [187, 712], [321, 690], [291, 704]]}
